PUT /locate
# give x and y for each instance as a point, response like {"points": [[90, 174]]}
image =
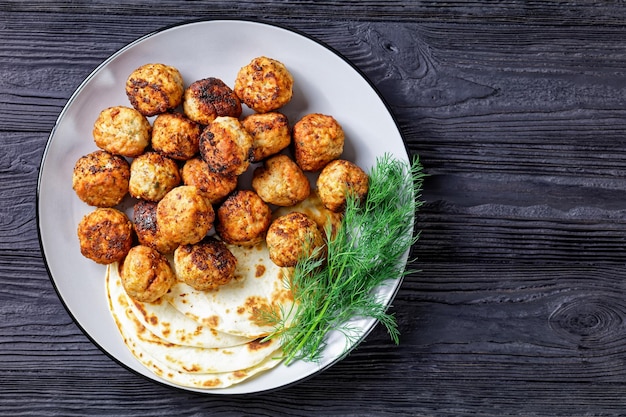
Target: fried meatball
{"points": [[243, 218], [280, 181], [225, 146], [122, 131], [292, 237], [175, 136], [146, 227], [152, 175], [206, 99], [264, 84], [101, 179], [184, 215], [205, 265], [155, 88], [317, 139], [105, 235], [214, 186], [146, 274], [339, 178], [270, 134]]}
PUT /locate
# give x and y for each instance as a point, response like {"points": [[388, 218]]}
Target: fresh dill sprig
{"points": [[366, 251]]}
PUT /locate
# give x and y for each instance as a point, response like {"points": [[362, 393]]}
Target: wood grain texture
{"points": [[517, 110]]}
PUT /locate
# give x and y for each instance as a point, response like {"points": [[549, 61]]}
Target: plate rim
{"points": [[48, 145]]}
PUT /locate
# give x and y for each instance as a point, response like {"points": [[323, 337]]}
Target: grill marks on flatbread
{"points": [[170, 325], [258, 284], [186, 365], [205, 339]]}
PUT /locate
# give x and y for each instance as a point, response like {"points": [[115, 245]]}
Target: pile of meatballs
{"points": [[182, 170]]}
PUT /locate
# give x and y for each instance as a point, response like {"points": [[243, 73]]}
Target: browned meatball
{"points": [[101, 179], [292, 237], [147, 230], [243, 218], [318, 139], [105, 235], [280, 181], [205, 265], [214, 186], [152, 175], [206, 99], [339, 178], [155, 88], [175, 136], [264, 84], [122, 131], [270, 134], [225, 146], [184, 215], [146, 274]]}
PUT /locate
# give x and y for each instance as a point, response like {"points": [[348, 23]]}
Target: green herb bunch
{"points": [[366, 251]]}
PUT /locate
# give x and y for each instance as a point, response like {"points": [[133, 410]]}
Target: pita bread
{"points": [[231, 308], [184, 358], [203, 381], [169, 324], [135, 336]]}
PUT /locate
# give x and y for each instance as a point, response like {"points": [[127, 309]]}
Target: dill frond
{"points": [[366, 251]]}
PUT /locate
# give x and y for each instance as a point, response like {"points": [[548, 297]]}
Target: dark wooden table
{"points": [[518, 111]]}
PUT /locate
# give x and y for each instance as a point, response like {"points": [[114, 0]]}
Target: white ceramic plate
{"points": [[325, 82]]}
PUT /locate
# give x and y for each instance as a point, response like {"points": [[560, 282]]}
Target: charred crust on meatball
{"points": [[214, 185], [146, 227], [144, 216], [136, 99], [105, 235], [208, 98], [226, 146], [205, 265], [101, 179], [154, 88]]}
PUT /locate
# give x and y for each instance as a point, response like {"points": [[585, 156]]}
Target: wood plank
{"points": [[545, 13]]}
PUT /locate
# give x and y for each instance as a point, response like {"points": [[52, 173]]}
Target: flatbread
{"points": [[203, 381], [258, 284], [130, 330], [169, 324], [184, 358]]}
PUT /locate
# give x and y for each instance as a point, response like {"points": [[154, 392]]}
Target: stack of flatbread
{"points": [[212, 339], [205, 339]]}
